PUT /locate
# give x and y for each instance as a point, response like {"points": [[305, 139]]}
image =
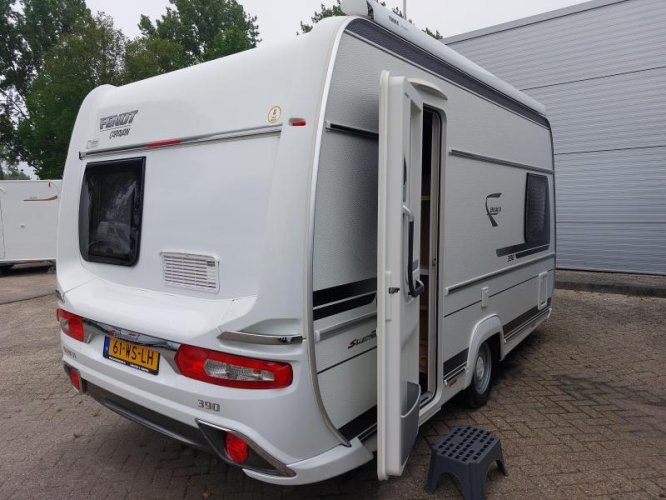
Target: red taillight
{"points": [[297, 122], [232, 371], [70, 324], [237, 449]]}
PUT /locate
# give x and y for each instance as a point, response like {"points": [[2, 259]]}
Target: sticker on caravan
{"points": [[493, 209], [274, 115]]}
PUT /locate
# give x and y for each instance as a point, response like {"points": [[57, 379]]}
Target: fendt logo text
{"points": [[115, 122]]}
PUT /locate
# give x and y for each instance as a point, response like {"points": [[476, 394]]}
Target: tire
{"points": [[482, 379], [4, 268]]}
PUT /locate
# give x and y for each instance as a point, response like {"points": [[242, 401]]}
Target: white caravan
{"points": [[28, 221], [294, 256]]}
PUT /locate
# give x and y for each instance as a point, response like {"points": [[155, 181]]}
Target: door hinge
{"points": [[393, 289]]}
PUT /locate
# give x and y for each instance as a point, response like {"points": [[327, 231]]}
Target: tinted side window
{"points": [[537, 211], [110, 211]]}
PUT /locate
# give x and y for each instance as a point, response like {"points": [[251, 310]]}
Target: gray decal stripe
{"points": [[412, 53]]}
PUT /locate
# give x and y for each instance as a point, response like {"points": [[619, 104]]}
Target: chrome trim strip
{"points": [[309, 245], [349, 129], [493, 274], [280, 467], [259, 338], [188, 141], [328, 330], [497, 161]]}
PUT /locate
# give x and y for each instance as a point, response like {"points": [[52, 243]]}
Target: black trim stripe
{"points": [[346, 359], [359, 424], [341, 292], [531, 251], [521, 250], [454, 362], [342, 306], [407, 50], [526, 317], [347, 129]]}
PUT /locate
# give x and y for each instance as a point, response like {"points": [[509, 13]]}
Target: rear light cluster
{"points": [[70, 324], [232, 371]]}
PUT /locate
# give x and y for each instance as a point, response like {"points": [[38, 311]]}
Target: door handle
{"points": [[415, 288]]}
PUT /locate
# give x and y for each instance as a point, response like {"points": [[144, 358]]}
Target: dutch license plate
{"points": [[128, 354]]}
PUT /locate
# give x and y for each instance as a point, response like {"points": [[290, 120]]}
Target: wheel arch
{"points": [[487, 328]]}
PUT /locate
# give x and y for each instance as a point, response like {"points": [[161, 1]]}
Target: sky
{"points": [[279, 19]]}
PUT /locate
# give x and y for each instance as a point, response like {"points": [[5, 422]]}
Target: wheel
{"points": [[5, 267], [479, 390]]}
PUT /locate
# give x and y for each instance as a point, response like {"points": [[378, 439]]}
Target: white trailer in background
{"points": [[295, 255], [28, 221]]}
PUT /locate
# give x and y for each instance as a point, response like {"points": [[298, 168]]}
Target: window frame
{"points": [[135, 165]]}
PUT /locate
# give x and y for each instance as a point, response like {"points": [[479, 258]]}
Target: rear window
{"points": [[110, 211]]}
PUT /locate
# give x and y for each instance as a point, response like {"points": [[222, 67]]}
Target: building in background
{"points": [[600, 69]]}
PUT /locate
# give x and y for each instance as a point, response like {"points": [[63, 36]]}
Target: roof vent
{"points": [[186, 270]]}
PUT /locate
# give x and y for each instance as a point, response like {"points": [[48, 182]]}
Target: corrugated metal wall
{"points": [[600, 68]]}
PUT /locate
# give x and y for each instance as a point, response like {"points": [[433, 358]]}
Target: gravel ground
{"points": [[580, 407]]}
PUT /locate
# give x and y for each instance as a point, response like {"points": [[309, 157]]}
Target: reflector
{"points": [[237, 449]]}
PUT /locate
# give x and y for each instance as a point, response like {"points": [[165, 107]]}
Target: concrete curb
{"points": [[621, 288]]}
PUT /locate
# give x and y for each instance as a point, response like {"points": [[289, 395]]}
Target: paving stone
{"points": [[580, 407]]}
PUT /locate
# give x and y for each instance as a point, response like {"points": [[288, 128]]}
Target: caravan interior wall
{"points": [[28, 220], [599, 69]]}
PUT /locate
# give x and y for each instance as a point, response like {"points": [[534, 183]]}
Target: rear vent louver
{"points": [[186, 270]]}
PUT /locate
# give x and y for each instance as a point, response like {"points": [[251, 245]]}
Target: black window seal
{"points": [[121, 162]]}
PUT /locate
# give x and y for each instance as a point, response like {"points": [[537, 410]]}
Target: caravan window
{"points": [[110, 211], [537, 213]]}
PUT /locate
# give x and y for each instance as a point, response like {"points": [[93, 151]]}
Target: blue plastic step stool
{"points": [[467, 453]]}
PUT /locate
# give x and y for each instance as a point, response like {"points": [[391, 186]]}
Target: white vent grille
{"points": [[186, 270]]}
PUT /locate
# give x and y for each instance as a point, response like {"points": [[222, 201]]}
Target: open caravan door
{"points": [[398, 285]]}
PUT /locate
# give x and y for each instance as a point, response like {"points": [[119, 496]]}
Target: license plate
{"points": [[128, 354]]}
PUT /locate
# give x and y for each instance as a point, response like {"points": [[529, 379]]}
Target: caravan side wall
{"points": [[28, 220], [345, 244]]}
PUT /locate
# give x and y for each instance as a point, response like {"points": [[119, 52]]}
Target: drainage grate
{"points": [[193, 271]]}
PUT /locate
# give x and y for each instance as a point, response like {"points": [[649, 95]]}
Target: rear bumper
{"points": [[209, 438]]}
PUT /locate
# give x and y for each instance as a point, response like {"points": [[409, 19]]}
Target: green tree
{"points": [[28, 29], [333, 10], [90, 55], [204, 29], [147, 56]]}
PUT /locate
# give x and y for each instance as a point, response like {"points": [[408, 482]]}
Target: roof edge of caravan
{"points": [[370, 9]]}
